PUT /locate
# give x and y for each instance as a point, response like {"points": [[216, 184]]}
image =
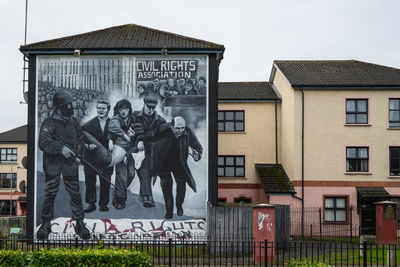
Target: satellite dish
{"points": [[26, 96], [25, 162], [22, 186]]}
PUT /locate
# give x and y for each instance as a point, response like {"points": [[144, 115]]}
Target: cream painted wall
{"points": [[326, 134], [257, 143], [290, 121], [16, 168]]}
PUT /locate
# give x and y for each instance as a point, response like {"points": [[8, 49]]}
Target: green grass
{"points": [[376, 255]]}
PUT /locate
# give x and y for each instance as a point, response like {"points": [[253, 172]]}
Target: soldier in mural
{"points": [[61, 139], [98, 128], [151, 122], [176, 140]]}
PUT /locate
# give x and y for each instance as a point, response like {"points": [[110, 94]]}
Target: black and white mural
{"points": [[121, 145]]}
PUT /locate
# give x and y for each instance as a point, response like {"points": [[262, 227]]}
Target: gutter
{"points": [[119, 51], [352, 87], [248, 101]]}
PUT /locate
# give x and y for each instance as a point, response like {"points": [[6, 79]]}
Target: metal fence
{"points": [[212, 252]]}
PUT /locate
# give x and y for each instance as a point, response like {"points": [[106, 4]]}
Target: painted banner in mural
{"points": [[121, 145]]}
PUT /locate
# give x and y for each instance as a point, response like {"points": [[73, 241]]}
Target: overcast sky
{"points": [[254, 33]]}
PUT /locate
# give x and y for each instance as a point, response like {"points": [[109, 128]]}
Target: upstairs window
{"points": [[394, 160], [356, 111], [357, 159], [8, 155], [231, 121], [394, 112]]}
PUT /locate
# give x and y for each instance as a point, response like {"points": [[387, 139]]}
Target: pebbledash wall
{"points": [[326, 136], [256, 143]]}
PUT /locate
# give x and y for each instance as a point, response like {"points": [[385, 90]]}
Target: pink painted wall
{"points": [[256, 195]]}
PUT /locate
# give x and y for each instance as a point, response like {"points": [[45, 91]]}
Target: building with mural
{"points": [[135, 115]]}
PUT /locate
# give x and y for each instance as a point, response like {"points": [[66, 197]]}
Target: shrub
{"points": [[74, 257], [306, 263]]}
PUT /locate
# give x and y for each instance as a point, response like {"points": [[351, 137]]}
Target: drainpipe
{"points": [[302, 163], [276, 132]]}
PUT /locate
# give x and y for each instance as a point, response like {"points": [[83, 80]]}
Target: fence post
{"points": [[351, 223], [364, 253], [320, 224], [76, 242], [266, 252], [170, 252]]}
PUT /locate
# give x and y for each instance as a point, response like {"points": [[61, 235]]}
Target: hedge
{"points": [[74, 257], [306, 263]]}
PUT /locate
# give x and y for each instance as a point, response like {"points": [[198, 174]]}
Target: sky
{"points": [[254, 33]]}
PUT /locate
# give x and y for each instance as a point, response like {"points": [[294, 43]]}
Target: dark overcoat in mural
{"points": [[186, 140]]}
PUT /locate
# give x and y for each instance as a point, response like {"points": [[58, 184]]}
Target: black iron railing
{"points": [[204, 251]]}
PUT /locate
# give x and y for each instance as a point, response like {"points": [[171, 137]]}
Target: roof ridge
{"points": [[175, 34], [314, 60]]}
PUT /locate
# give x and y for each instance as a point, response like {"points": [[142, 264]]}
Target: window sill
{"points": [[232, 132], [358, 173], [8, 163], [233, 177], [394, 176], [336, 223], [355, 124], [393, 128]]}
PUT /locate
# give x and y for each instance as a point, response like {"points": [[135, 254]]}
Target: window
{"points": [[335, 209], [356, 111], [5, 207], [8, 155], [357, 159], [242, 200], [221, 200], [394, 160], [8, 180], [394, 112], [231, 166], [231, 121]]}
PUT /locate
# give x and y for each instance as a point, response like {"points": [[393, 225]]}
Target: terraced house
{"points": [[13, 150], [323, 134]]}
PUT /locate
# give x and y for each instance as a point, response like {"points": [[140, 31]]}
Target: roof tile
{"points": [[338, 73], [246, 91], [274, 179], [129, 36], [16, 135]]}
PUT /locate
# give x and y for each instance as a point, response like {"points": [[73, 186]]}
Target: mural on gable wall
{"points": [[121, 145]]}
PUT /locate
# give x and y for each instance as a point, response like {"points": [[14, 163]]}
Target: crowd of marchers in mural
{"points": [[130, 141]]}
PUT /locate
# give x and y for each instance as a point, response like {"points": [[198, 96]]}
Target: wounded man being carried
{"points": [[125, 139]]}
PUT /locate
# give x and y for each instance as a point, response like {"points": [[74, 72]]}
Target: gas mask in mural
{"points": [[67, 111]]}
